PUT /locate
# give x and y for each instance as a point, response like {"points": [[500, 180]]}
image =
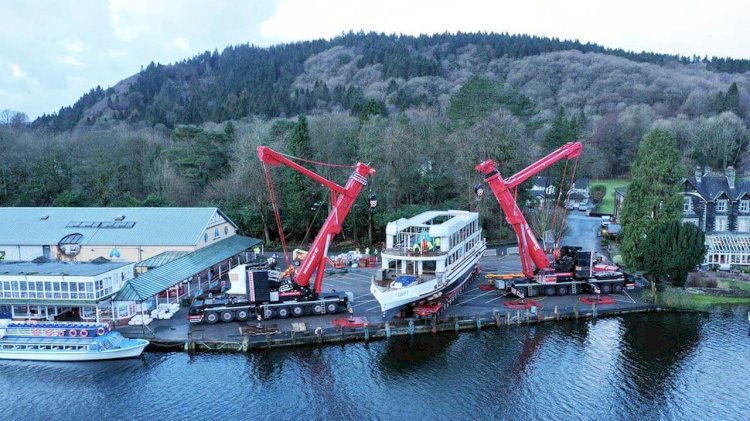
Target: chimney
{"points": [[731, 175], [698, 174]]}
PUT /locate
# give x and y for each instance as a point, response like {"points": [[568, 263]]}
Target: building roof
{"points": [[712, 185], [438, 223], [152, 282], [161, 259], [58, 268], [107, 226], [581, 183], [621, 190]]}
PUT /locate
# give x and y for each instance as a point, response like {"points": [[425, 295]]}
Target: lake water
{"points": [[650, 366]]}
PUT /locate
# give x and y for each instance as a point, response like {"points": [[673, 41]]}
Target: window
{"points": [[744, 205], [743, 224], [721, 223], [216, 232], [687, 204], [226, 230], [721, 205], [205, 237]]}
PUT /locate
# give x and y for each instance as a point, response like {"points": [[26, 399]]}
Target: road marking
{"points": [[372, 308], [474, 298], [496, 298], [359, 303], [631, 298]]}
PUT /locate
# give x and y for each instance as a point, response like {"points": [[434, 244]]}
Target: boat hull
{"points": [[394, 300], [130, 351]]}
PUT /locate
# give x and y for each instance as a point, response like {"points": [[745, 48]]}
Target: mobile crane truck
{"points": [[261, 290], [573, 271]]}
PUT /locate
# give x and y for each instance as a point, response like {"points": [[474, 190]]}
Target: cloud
{"points": [[181, 43], [16, 71], [131, 19], [71, 61], [75, 46]]}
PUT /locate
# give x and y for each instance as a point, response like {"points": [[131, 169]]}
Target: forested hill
{"points": [[356, 72]]}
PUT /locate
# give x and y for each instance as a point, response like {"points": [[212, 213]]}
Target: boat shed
{"points": [[117, 234]]}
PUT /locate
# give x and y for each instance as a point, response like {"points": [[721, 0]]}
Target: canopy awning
{"points": [[154, 281]]}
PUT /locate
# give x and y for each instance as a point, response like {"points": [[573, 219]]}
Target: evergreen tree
{"points": [[301, 191], [653, 196], [672, 250], [732, 100]]}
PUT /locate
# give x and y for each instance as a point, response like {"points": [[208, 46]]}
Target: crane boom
{"points": [[342, 200], [532, 255]]}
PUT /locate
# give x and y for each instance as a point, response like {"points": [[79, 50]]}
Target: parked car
{"points": [[583, 207], [570, 205]]}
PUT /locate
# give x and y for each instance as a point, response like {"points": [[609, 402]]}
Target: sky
{"points": [[52, 52]]}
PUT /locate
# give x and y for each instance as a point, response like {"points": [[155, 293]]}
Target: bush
{"points": [[597, 193]]}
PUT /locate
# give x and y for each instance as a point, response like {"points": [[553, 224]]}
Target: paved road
{"points": [[583, 232]]}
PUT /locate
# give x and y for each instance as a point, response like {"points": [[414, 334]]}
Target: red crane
{"points": [[342, 200], [528, 246]]}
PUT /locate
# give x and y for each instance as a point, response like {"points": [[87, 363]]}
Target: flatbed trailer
{"points": [[227, 310]]}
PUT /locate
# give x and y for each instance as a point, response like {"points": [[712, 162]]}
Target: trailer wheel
{"points": [[268, 313], [605, 288], [332, 308], [317, 308], [298, 311], [549, 290], [227, 316], [562, 290], [241, 315], [282, 312], [533, 291], [212, 317], [617, 288]]}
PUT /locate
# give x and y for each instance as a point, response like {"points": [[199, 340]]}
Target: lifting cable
{"points": [[275, 206], [309, 161], [565, 210], [553, 225]]}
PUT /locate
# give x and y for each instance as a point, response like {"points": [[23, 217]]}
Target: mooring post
{"points": [[479, 322], [527, 316], [575, 311], [518, 317], [367, 334], [387, 330], [507, 318], [593, 310], [433, 322], [411, 327], [557, 313], [245, 343], [496, 316], [319, 334], [455, 323]]}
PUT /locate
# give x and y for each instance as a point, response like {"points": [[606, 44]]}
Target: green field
{"points": [[608, 204]]}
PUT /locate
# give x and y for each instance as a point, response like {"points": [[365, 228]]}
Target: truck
{"points": [[260, 290], [572, 270]]}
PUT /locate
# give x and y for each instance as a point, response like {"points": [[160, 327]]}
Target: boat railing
{"points": [[413, 253]]}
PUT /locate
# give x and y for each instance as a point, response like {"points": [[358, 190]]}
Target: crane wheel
{"points": [[332, 308], [268, 313], [617, 288], [227, 316], [562, 290], [298, 311], [212, 317], [282, 312], [317, 309], [533, 291], [605, 288], [549, 290], [242, 315]]}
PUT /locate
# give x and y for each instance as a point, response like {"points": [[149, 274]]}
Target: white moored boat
{"points": [[428, 256], [62, 341]]}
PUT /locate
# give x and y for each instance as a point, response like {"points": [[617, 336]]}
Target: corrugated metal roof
{"points": [[58, 268], [153, 226], [156, 280], [161, 259]]}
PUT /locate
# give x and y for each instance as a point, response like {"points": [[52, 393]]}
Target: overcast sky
{"points": [[51, 52]]}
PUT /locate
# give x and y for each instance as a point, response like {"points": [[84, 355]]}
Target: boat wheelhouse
{"points": [[428, 256]]}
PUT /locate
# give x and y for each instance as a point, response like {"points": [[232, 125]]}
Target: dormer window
{"points": [[687, 204], [744, 205], [721, 205]]}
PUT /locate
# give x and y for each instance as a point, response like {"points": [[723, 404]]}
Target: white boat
{"points": [[57, 341], [428, 256]]}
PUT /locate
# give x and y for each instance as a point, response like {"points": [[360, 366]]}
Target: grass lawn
{"points": [[608, 204]]}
